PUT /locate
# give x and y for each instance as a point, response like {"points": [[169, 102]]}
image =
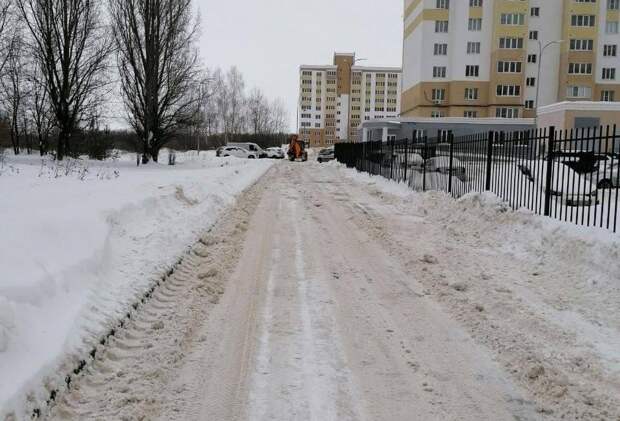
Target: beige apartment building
{"points": [[503, 58], [335, 99]]}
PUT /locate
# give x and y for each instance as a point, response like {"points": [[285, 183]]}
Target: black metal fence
{"points": [[571, 175]]}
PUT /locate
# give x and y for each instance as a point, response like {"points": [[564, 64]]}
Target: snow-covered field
{"points": [[79, 243]]}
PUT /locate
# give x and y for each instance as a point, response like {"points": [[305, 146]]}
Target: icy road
{"points": [[321, 298]]}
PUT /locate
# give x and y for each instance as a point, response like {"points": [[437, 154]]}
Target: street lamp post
{"points": [[541, 51], [350, 105]]}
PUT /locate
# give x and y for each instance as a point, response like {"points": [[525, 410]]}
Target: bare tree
{"points": [[258, 112], [157, 63], [235, 91], [5, 20], [71, 46], [41, 111], [278, 117], [14, 90]]}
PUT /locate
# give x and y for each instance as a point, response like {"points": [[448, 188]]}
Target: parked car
{"points": [[326, 155], [275, 153], [412, 160], [251, 147], [236, 152], [572, 188], [601, 169], [441, 164], [608, 174]]}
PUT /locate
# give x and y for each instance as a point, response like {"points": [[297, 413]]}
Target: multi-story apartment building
{"points": [[482, 58], [334, 100]]}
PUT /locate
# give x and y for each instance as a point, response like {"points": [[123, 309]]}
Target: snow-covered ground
{"points": [[542, 295], [79, 243]]}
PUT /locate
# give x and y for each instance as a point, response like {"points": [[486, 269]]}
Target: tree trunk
{"points": [[42, 144], [62, 148], [155, 153]]}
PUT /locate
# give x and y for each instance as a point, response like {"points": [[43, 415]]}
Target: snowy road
{"points": [[306, 303]]}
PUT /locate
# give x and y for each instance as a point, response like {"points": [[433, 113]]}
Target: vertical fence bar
{"points": [[549, 175], [487, 184], [392, 160], [424, 160], [617, 183], [451, 140], [407, 158]]}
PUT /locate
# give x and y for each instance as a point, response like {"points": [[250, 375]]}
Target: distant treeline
{"points": [[98, 144]]}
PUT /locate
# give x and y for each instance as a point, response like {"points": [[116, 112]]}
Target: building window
{"points": [[441, 26], [475, 24], [581, 44], [472, 70], [505, 112], [530, 81], [534, 35], [475, 3], [610, 50], [471, 94], [613, 4], [508, 90], [443, 4], [511, 43], [439, 71], [441, 49], [611, 27], [437, 114], [512, 19], [609, 73], [583, 20], [531, 58], [509, 67], [535, 12], [470, 114], [579, 68], [473, 47], [579, 92], [607, 96], [529, 104], [438, 95]]}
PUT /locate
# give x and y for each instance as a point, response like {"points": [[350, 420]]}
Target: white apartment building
{"points": [[481, 58], [336, 97]]}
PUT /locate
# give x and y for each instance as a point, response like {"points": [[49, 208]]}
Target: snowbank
{"points": [[79, 243]]}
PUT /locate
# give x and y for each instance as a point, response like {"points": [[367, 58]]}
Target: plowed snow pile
{"points": [[78, 244]]}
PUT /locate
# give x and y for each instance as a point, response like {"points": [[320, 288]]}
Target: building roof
{"points": [[579, 106], [377, 69], [317, 67], [450, 120]]}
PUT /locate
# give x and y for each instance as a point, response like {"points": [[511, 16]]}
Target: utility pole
{"points": [[541, 51]]}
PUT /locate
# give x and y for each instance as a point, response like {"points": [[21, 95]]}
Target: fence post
{"points": [[424, 157], [549, 175], [489, 160], [407, 155], [392, 160], [451, 139]]}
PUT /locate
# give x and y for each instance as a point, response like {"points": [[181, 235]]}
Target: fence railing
{"points": [[571, 175]]}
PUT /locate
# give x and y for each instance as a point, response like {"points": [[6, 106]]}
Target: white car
{"points": [[572, 188], [236, 152], [441, 164], [275, 153], [608, 173]]}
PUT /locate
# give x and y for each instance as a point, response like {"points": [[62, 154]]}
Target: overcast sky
{"points": [[269, 39]]}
